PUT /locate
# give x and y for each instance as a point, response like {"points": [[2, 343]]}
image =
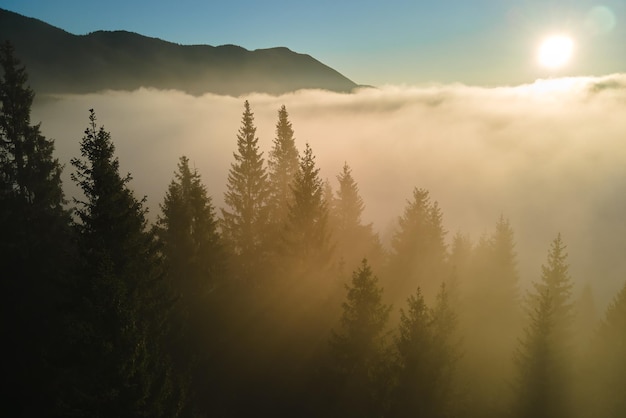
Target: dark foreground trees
{"points": [[120, 367], [193, 258], [35, 248]]}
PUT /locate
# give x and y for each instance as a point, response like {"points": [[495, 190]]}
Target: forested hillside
{"points": [[61, 62], [283, 302]]}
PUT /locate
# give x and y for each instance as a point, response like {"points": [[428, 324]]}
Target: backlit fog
{"points": [[549, 156]]}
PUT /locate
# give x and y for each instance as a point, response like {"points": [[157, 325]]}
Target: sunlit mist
{"points": [[238, 230], [547, 155]]}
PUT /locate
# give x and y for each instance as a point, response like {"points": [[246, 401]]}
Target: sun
{"points": [[555, 51]]}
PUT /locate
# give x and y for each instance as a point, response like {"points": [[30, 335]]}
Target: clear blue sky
{"points": [[483, 42]]}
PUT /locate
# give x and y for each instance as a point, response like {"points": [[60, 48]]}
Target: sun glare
{"points": [[555, 51]]}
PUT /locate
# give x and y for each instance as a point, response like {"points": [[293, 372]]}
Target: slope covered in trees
{"points": [[283, 303], [61, 62]]}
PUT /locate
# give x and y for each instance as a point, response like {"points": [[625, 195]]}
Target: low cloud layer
{"points": [[550, 156]]}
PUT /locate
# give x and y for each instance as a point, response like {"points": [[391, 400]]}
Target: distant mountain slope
{"points": [[60, 62]]}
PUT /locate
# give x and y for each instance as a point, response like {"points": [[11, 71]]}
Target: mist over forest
{"points": [[548, 156], [436, 251]]}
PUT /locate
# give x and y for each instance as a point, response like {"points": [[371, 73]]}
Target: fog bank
{"points": [[550, 156]]}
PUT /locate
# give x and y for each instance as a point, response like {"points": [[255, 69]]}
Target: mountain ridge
{"points": [[60, 62]]}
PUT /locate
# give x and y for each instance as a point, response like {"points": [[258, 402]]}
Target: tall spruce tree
{"points": [[35, 248], [306, 234], [349, 205], [419, 253], [426, 355], [121, 369], [358, 349], [354, 240], [193, 256], [413, 350], [189, 237], [244, 224], [536, 359], [543, 356], [283, 166], [447, 353], [556, 281]]}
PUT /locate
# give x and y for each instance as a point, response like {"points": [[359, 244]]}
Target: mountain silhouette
{"points": [[60, 62]]}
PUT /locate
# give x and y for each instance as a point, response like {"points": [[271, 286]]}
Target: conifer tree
{"points": [[447, 353], [187, 230], [193, 256], [28, 169], [543, 356], [283, 166], [348, 204], [413, 349], [426, 358], [536, 358], [358, 349], [35, 249], [354, 240], [306, 234], [121, 369], [556, 281], [419, 252], [245, 222]]}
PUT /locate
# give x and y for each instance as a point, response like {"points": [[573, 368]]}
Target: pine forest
{"points": [[284, 302]]}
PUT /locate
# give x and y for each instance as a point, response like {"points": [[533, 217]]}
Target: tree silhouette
{"points": [[187, 230], [358, 348], [35, 247], [194, 262], [354, 240], [306, 233], [542, 357], [245, 223], [418, 256], [426, 357], [283, 166], [121, 299]]}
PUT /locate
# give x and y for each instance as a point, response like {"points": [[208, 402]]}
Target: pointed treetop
{"points": [[349, 203]]}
